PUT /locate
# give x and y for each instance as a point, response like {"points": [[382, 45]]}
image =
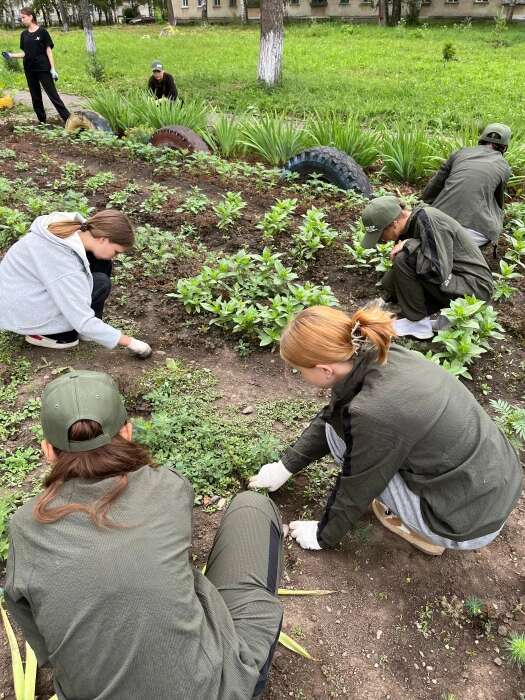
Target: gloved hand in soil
{"points": [[304, 532], [271, 476], [6, 55], [139, 348], [54, 74]]}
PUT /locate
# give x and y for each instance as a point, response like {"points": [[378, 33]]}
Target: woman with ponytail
{"points": [[55, 280], [99, 576], [411, 440]]}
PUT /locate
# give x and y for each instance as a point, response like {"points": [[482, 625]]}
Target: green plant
{"points": [[515, 648], [277, 219], [407, 154], [229, 210], [314, 233], [98, 181], [500, 27], [346, 135], [226, 136], [502, 286], [121, 198], [13, 224], [157, 248], [158, 197], [7, 153], [24, 679], [195, 202], [273, 137], [511, 421], [449, 52], [474, 606]]}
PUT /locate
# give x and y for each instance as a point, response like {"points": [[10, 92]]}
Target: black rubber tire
{"points": [[336, 167], [180, 138], [86, 120]]}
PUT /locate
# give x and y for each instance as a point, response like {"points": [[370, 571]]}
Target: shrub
{"points": [[346, 135], [449, 52], [272, 137], [276, 220], [408, 155], [226, 136], [314, 233], [511, 421]]}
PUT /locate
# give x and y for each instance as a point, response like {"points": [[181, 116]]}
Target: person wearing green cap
{"points": [[99, 575], [434, 261], [470, 185], [162, 84]]}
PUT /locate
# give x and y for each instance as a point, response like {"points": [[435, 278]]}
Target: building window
{"points": [[185, 4], [233, 3], [200, 3], [451, 2], [344, 2], [318, 3], [216, 3], [294, 2]]}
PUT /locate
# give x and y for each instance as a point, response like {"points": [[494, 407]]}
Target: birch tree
{"points": [[85, 16], [272, 42]]}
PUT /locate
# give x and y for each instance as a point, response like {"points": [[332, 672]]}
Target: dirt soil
{"points": [[394, 628]]}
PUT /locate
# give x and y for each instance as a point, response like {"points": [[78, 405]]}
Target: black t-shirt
{"points": [[34, 45], [163, 88]]}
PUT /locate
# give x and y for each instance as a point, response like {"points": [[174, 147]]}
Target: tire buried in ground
{"points": [[180, 138], [334, 166], [85, 120]]}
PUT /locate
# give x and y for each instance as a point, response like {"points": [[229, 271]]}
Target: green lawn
{"points": [[383, 75]]}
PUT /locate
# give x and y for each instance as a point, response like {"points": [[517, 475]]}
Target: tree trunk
{"points": [[272, 42], [510, 11], [87, 24], [171, 14], [243, 12], [395, 15], [204, 15], [382, 12], [63, 15]]}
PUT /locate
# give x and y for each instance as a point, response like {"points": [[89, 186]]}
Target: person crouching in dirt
{"points": [[106, 547], [434, 261], [55, 280], [162, 84], [470, 185], [410, 439]]}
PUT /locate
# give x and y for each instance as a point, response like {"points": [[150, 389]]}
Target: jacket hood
{"points": [[40, 227], [347, 387]]}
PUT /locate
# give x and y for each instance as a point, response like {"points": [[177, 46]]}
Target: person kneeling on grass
{"points": [[99, 576], [55, 280], [410, 439], [434, 261]]}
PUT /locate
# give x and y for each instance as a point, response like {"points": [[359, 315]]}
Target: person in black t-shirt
{"points": [[36, 49], [162, 84]]}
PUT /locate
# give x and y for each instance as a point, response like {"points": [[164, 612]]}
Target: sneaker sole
{"points": [[49, 344], [394, 524]]}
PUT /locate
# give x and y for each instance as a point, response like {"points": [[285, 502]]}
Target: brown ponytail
{"points": [[108, 223], [117, 459], [322, 334]]}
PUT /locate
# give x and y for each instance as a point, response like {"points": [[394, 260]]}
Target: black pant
{"points": [[37, 81], [101, 271]]}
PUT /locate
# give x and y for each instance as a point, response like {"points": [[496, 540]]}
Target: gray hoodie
{"points": [[46, 285]]}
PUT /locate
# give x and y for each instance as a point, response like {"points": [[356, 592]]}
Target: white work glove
{"points": [[54, 74], [271, 476], [6, 55], [304, 533], [139, 348]]}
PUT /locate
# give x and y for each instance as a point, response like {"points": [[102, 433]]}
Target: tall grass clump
{"points": [[346, 135], [115, 107], [225, 136], [155, 113], [272, 137], [408, 156], [515, 648]]}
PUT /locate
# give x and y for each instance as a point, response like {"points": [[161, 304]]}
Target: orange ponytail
{"points": [[321, 334]]}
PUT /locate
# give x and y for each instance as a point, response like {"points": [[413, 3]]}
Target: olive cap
{"points": [[496, 133], [377, 215], [81, 395]]}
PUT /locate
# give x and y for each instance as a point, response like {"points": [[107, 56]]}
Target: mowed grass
{"points": [[381, 75]]}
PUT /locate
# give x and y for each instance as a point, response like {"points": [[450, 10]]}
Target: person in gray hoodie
{"points": [[54, 281]]}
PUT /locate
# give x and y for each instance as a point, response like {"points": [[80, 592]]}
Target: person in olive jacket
{"points": [[410, 439], [470, 185], [99, 574], [434, 261]]}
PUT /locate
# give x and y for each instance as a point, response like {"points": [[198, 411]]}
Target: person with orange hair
{"points": [[410, 439]]}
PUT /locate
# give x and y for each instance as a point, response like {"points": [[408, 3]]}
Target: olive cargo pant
{"points": [[245, 567], [416, 297]]}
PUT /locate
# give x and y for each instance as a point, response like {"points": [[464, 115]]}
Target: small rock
{"points": [[221, 504], [246, 411], [503, 630], [159, 352], [379, 634], [498, 661]]}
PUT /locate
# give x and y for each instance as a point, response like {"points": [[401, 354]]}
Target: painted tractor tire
{"points": [[180, 138], [86, 120], [6, 102], [336, 167]]}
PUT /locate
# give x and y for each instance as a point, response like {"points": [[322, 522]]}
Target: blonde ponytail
{"points": [[108, 223], [321, 335]]}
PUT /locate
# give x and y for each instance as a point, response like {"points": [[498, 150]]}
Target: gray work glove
{"points": [[54, 74], [139, 348]]}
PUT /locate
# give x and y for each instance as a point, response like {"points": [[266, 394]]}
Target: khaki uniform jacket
{"points": [[445, 255], [411, 416], [120, 613], [470, 187]]}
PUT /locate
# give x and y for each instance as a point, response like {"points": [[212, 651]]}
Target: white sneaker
{"points": [[43, 341], [417, 329], [441, 323]]}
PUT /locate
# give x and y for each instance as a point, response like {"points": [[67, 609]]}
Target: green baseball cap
{"points": [[82, 395], [496, 133], [377, 215], [157, 65]]}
